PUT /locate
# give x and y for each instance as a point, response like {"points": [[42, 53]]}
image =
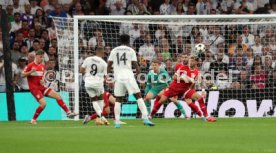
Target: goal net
{"points": [[238, 68]]}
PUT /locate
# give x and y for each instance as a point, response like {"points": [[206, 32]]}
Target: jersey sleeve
{"points": [[133, 56], [111, 56], [105, 68], [84, 64], [28, 68]]}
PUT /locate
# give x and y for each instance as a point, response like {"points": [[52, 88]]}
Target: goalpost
{"points": [[244, 87]]}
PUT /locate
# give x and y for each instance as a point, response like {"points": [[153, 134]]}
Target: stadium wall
{"points": [[224, 103]]}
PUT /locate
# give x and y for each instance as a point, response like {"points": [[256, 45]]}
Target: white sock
{"points": [[101, 104], [117, 111], [143, 108], [97, 108]]}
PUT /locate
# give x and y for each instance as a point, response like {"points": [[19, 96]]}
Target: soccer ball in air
{"points": [[199, 48]]}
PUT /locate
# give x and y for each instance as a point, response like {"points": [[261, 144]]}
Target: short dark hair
{"points": [[124, 39]]}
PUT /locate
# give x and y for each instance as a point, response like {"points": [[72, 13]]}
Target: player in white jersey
{"points": [[122, 58], [94, 69]]}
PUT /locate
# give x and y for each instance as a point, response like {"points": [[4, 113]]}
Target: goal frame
{"points": [[76, 18]]}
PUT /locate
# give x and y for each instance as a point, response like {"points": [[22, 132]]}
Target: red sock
{"points": [[37, 112], [104, 113], [156, 106], [195, 109], [93, 116], [62, 105], [203, 107]]}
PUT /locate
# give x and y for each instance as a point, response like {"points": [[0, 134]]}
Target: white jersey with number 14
{"points": [[122, 57]]}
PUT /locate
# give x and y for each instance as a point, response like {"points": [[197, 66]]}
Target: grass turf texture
{"points": [[169, 136]]}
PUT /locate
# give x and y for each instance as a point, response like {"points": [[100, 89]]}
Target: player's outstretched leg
{"points": [[61, 103], [156, 106], [148, 98], [39, 109], [179, 106], [200, 99], [143, 109]]}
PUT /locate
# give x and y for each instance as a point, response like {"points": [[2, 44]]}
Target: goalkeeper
{"points": [[158, 79]]}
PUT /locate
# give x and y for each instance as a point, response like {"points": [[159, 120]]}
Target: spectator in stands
{"points": [[134, 33], [222, 80], [268, 67], [54, 43], [98, 35], [2, 75], [191, 9], [247, 37], [235, 85], [249, 57], [143, 10], [257, 47], [41, 18], [22, 82], [35, 46], [269, 33], [31, 38], [112, 4], [38, 29], [34, 6], [192, 36], [138, 42], [258, 78], [179, 9], [27, 16], [244, 80], [226, 6], [207, 62], [17, 8], [102, 9], [203, 7], [24, 51], [15, 52], [166, 8], [244, 7], [17, 24], [66, 9], [118, 10], [49, 5], [146, 51], [134, 7], [10, 15], [31, 58], [273, 8], [178, 48], [274, 58], [218, 65], [1, 44], [42, 44], [58, 12], [24, 30], [169, 67], [271, 81], [165, 49], [78, 10], [52, 30], [215, 39]]}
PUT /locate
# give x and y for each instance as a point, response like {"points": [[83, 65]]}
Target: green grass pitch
{"points": [[168, 136]]}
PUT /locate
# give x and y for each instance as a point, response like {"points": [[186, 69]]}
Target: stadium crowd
{"points": [[248, 51]]}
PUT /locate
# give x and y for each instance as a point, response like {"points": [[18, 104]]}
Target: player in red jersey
{"points": [[183, 86], [34, 73]]}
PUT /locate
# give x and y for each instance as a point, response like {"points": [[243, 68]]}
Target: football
{"points": [[199, 48]]}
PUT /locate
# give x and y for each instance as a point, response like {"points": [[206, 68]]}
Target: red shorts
{"points": [[185, 93], [40, 91]]}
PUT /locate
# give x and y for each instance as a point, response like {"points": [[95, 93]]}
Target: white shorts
{"points": [[121, 87], [94, 91]]}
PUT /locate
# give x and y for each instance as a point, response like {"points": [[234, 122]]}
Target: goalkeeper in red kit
{"points": [[34, 72]]}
